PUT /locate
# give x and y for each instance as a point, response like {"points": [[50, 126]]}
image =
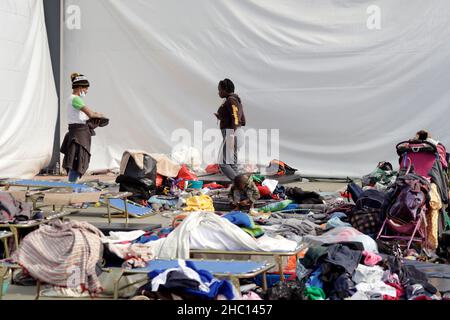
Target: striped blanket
{"points": [[63, 254]]}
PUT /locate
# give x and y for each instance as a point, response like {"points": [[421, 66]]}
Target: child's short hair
{"points": [[242, 178]]}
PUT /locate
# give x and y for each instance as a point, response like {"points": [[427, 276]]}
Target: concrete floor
{"points": [[95, 215]]}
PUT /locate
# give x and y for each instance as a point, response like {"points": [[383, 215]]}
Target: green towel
{"points": [[314, 293], [277, 206], [255, 232], [258, 178]]}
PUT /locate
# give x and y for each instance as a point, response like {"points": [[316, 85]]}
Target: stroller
{"points": [[430, 161], [427, 160], [421, 163], [405, 218]]}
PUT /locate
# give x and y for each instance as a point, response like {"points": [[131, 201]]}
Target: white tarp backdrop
{"points": [[341, 92], [28, 99]]}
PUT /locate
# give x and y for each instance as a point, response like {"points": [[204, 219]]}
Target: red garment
{"points": [[213, 186], [159, 180], [422, 298], [264, 191], [186, 175], [345, 194], [212, 169], [398, 288]]}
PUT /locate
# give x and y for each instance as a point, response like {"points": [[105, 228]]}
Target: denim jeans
{"points": [[73, 176], [229, 157]]}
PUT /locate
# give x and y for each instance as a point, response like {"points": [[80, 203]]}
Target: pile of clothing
{"points": [[198, 230], [187, 283], [199, 203], [13, 211], [245, 222], [298, 195], [381, 178], [164, 203], [132, 249], [346, 271], [293, 228], [269, 189], [63, 254]]}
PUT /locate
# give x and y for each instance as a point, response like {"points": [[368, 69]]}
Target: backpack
{"points": [[282, 168], [372, 199], [354, 190], [369, 211], [411, 195], [367, 221]]}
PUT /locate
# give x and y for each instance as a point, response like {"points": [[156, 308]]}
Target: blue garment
{"points": [[163, 200], [314, 279], [218, 287], [240, 219], [146, 239], [336, 222], [301, 271], [292, 206], [73, 176], [339, 215]]}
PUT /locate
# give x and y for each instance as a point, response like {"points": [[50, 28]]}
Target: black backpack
{"points": [[372, 199], [369, 212]]}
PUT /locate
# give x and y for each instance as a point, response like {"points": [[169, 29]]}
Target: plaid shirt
{"points": [[250, 192], [367, 222]]}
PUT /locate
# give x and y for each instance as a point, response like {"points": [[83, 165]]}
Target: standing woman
{"points": [[76, 146], [232, 119]]}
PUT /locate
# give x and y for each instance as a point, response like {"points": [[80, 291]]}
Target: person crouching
{"points": [[243, 193]]}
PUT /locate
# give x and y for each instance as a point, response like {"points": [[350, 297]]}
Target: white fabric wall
{"points": [[342, 95], [28, 99]]}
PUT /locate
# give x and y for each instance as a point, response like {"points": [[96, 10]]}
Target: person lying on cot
{"points": [[243, 193]]}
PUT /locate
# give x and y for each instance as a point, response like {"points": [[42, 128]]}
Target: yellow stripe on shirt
{"points": [[235, 114]]}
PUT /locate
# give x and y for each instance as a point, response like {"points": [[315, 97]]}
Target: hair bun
{"points": [[74, 75]]}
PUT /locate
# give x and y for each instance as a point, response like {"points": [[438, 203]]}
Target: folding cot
{"points": [[32, 224], [277, 255], [4, 236], [112, 200], [233, 270], [6, 267]]}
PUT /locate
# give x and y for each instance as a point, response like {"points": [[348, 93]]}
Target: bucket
{"points": [[195, 184]]}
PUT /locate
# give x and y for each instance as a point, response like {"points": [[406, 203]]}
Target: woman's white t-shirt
{"points": [[74, 113]]}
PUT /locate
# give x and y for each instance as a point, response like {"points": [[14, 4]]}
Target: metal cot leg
{"points": [[5, 245], [108, 208], [16, 235], [235, 281], [116, 286], [127, 217], [38, 290], [279, 260], [264, 281]]}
